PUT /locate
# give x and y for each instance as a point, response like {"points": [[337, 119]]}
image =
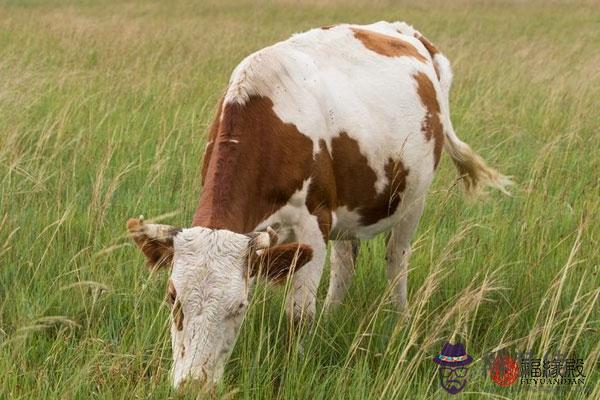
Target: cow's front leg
{"points": [[343, 258], [302, 297]]}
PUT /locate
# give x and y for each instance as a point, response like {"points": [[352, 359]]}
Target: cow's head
{"points": [[209, 287]]}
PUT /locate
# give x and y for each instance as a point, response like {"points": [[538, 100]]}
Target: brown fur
{"points": [[346, 179], [428, 45], [387, 45], [277, 262], [158, 251], [431, 125], [321, 198], [431, 49], [247, 181], [212, 135]]}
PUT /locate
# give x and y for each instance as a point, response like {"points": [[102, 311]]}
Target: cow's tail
{"points": [[474, 171]]}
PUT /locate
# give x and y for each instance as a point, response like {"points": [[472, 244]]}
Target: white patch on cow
{"points": [[399, 26], [209, 278]]}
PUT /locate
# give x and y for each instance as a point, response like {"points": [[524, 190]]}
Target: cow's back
{"points": [[366, 98]]}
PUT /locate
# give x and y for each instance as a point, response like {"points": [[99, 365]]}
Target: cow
{"points": [[332, 135]]}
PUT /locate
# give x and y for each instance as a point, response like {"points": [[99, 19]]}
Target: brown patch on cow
{"points": [[257, 163], [278, 262], [344, 178], [178, 315], [327, 27], [437, 71], [355, 181], [321, 198], [387, 45], [212, 135], [431, 49], [431, 125], [428, 45]]}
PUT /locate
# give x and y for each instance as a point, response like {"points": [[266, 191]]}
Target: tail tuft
{"points": [[474, 171]]}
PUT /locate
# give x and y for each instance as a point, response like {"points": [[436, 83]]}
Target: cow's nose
{"points": [[199, 384]]}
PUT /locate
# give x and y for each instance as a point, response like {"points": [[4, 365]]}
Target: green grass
{"points": [[103, 110]]}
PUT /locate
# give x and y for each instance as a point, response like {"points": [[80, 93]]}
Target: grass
{"points": [[103, 110]]}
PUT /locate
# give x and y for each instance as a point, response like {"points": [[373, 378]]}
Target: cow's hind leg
{"points": [[343, 258], [398, 254]]}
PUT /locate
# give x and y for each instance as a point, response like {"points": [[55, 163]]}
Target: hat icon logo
{"points": [[453, 361]]}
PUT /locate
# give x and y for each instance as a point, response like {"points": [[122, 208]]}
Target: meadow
{"points": [[104, 108]]}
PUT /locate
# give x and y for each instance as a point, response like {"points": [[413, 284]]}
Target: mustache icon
{"points": [[453, 386]]}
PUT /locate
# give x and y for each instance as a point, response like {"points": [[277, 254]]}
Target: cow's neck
{"points": [[232, 163], [256, 163], [225, 200]]}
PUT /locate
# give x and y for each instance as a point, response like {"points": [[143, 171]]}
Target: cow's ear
{"points": [[278, 262], [154, 240], [262, 240]]}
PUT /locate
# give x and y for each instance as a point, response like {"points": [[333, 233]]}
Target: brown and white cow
{"points": [[333, 134]]}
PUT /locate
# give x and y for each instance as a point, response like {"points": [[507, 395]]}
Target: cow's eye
{"points": [[171, 293], [178, 316], [171, 298], [238, 308]]}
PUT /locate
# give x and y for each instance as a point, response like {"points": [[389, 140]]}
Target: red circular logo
{"points": [[504, 370]]}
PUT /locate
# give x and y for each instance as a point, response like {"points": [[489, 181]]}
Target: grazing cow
{"points": [[333, 134]]}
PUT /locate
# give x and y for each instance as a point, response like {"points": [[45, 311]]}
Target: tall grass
{"points": [[103, 110]]}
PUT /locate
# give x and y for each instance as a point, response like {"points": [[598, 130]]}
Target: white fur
{"points": [[209, 275]]}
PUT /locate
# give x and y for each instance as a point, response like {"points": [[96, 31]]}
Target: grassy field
{"points": [[103, 111]]}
